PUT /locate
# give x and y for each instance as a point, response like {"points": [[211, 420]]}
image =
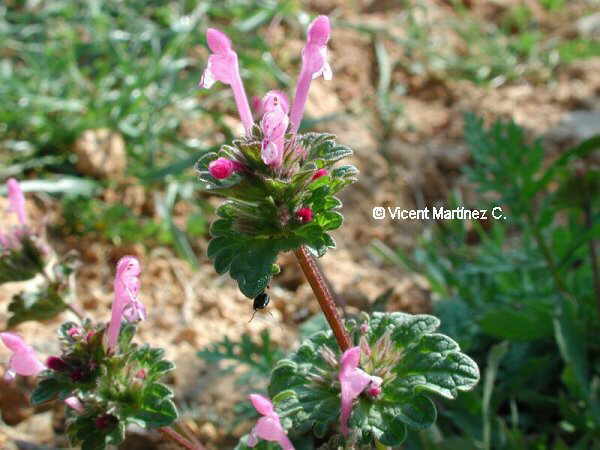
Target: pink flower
{"points": [[74, 403], [23, 361], [126, 303], [222, 168], [304, 214], [353, 381], [273, 125], [269, 426], [74, 332], [314, 64], [271, 99], [16, 199], [223, 66], [320, 173]]}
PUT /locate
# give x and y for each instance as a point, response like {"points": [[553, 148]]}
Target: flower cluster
{"points": [[107, 381], [280, 184], [22, 254], [373, 391]]}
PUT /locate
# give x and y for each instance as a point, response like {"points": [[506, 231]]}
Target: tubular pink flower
{"points": [[353, 381], [125, 304], [16, 199], [269, 426], [75, 403], [273, 125], [223, 66], [222, 168], [23, 361], [314, 64], [275, 99]]}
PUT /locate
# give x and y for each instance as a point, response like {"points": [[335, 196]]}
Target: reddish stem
{"points": [[173, 435], [319, 285]]}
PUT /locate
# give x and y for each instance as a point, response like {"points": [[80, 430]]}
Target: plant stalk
{"points": [[319, 285], [173, 435]]}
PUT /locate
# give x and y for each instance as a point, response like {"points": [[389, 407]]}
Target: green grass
{"points": [[133, 67]]}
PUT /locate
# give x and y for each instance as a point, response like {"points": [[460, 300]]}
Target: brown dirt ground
{"points": [[420, 163]]}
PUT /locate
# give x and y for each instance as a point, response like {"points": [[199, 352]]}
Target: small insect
{"points": [[260, 302]]}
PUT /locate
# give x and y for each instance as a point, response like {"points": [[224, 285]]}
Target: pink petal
{"points": [[319, 31], [217, 41], [74, 403], [350, 359], [134, 311], [223, 68], [16, 199], [126, 286], [14, 342], [274, 99], [25, 363], [270, 429], [221, 168], [320, 173], [252, 439], [353, 381], [274, 123], [262, 404], [272, 153]]}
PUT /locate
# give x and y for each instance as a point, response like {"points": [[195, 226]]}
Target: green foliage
{"points": [[258, 357], [527, 281], [23, 262], [115, 389], [257, 222], [43, 303], [412, 359]]}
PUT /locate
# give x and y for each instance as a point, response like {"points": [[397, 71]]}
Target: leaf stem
{"points": [[173, 435], [318, 283]]}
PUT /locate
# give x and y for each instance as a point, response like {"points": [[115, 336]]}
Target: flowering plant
{"points": [[22, 254], [280, 185], [107, 380], [356, 386], [352, 386]]}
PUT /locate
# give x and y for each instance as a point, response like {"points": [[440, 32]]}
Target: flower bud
{"points": [[57, 364], [221, 168], [304, 214], [320, 173]]}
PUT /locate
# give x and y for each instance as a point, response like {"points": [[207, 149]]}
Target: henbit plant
{"points": [[24, 254], [108, 381], [280, 188]]}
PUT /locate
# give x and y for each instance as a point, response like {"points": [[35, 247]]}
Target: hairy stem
{"points": [[319, 285], [173, 435]]}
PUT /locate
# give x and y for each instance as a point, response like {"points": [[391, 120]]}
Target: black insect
{"points": [[260, 302]]}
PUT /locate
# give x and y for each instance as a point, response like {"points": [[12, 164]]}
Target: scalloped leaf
{"points": [[413, 361]]}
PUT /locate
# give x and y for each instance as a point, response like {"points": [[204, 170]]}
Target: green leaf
{"points": [[42, 304], [394, 431], [525, 324], [406, 353], [418, 413], [48, 389], [23, 263]]}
